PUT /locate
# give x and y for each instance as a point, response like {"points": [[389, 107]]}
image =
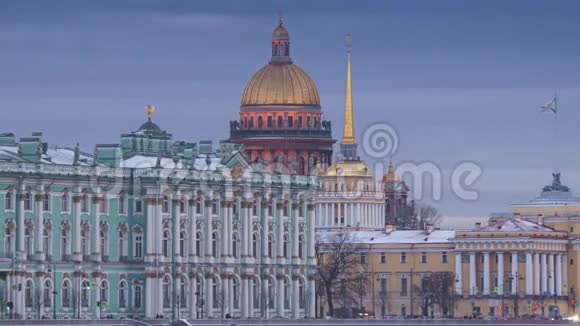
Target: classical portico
{"points": [[511, 258]]}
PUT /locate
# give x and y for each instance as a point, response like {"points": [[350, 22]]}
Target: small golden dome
{"points": [[280, 83], [390, 176], [280, 30]]}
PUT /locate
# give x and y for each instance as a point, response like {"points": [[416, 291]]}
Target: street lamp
{"points": [[53, 272]]}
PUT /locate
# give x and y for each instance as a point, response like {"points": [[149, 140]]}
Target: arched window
{"points": [[104, 242], [255, 293], [122, 205], [215, 291], [84, 243], [236, 292], [183, 292], [46, 242], [47, 294], [9, 201], [290, 122], [28, 244], [27, 202], [84, 204], [251, 125], [285, 252], [137, 297], [65, 290], [255, 245], [280, 122], [269, 122], [285, 209], [270, 246], [235, 244], [286, 294], [138, 247], [64, 244], [104, 205], [301, 294], [254, 208], [214, 244], [198, 242], [46, 202], [182, 244], [123, 294], [122, 243], [29, 294], [8, 241], [166, 292], [165, 243], [301, 246], [104, 288], [85, 294], [214, 207], [271, 299], [198, 206], [182, 206], [270, 209], [165, 205], [260, 122]]}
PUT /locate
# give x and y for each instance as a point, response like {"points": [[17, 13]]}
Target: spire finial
{"points": [[348, 135], [149, 110]]}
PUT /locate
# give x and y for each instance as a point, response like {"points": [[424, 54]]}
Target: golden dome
{"points": [[348, 169], [390, 176], [281, 83]]}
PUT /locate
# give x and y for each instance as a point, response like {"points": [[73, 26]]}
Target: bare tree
{"points": [[339, 266], [436, 289], [426, 214]]}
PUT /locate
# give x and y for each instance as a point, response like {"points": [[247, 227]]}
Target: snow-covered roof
{"points": [[393, 237], [514, 225], [141, 161], [65, 156]]}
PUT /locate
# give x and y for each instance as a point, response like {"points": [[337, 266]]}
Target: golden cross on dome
{"points": [[280, 18], [348, 39], [149, 110]]}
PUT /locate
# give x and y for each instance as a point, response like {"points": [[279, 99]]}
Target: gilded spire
{"points": [[348, 134], [149, 110]]}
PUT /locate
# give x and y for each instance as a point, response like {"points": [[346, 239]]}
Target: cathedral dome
{"points": [[280, 83]]}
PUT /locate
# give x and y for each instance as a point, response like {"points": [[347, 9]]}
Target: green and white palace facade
{"points": [[149, 227]]}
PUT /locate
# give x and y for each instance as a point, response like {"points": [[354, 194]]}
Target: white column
{"points": [[96, 294], [175, 232], [280, 297], [225, 228], [558, 274], [149, 309], [537, 288], [21, 254], [244, 300], [39, 227], [529, 274], [192, 234], [96, 228], [311, 235], [514, 273], [294, 214], [544, 277], [250, 299], [328, 217], [565, 284], [552, 275], [472, 281], [295, 304], [192, 297], [500, 273], [209, 297], [77, 255], [311, 309], [486, 273], [280, 235], [458, 274], [208, 227], [150, 229], [246, 242]]}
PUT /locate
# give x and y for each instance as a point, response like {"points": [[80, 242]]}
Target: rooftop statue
{"points": [[556, 184]]}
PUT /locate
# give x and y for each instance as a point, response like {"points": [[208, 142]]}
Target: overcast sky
{"points": [[459, 80]]}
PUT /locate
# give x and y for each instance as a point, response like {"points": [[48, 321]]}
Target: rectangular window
{"points": [[9, 201], [383, 285], [403, 285], [46, 203], [403, 258], [363, 259], [138, 206], [423, 258], [383, 259], [138, 246], [444, 258], [198, 206], [104, 206], [182, 207]]}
